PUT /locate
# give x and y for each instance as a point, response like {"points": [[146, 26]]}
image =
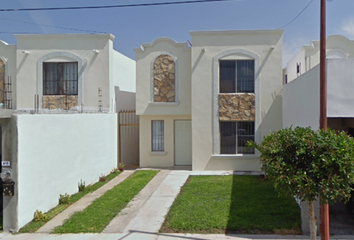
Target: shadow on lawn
{"points": [[256, 208]]}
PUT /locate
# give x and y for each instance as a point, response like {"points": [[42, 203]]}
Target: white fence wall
{"points": [[301, 101], [56, 151]]}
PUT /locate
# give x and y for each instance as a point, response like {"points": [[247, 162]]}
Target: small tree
{"points": [[309, 164]]}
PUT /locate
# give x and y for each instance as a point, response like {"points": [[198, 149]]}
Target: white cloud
{"points": [[348, 28]]}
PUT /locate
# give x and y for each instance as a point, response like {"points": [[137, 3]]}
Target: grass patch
{"points": [[98, 215], [232, 204], [34, 226]]}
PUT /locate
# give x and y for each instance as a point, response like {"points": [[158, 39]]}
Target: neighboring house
{"points": [[199, 105], [301, 97], [59, 94]]}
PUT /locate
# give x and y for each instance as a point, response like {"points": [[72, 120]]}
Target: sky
{"points": [[133, 26]]}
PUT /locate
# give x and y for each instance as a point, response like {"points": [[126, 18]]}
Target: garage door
{"points": [[183, 142]]}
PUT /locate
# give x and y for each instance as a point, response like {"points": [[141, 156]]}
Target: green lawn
{"points": [[232, 204], [34, 226], [99, 214]]}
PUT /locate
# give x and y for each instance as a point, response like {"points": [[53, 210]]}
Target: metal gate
{"points": [[128, 127]]}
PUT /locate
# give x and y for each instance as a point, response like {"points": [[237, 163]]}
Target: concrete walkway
{"points": [[119, 223], [82, 203], [144, 215]]}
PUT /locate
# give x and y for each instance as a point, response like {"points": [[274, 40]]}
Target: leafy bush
{"points": [[309, 164], [102, 178], [39, 216], [64, 199]]}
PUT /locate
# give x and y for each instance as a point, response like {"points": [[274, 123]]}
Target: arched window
{"points": [[60, 81], [164, 79]]}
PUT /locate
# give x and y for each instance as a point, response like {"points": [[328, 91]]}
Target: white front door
{"points": [[183, 142]]}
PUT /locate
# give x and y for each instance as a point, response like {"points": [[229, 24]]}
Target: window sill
{"points": [[165, 104], [237, 156], [158, 153]]}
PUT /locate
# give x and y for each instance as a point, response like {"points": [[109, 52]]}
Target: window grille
{"points": [[234, 137], [60, 78], [157, 135]]}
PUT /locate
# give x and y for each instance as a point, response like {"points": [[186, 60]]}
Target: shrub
{"points": [[309, 164], [81, 186], [64, 199], [39, 216], [102, 178]]}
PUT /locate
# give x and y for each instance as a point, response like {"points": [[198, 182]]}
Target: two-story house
{"points": [[59, 94], [200, 104]]}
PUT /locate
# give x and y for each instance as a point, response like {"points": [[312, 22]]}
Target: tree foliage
{"points": [[309, 163]]}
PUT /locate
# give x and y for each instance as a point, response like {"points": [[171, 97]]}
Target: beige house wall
{"points": [[158, 159], [145, 57], [265, 46]]}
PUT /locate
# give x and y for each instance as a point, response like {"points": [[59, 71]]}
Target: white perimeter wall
{"points": [[56, 151], [301, 100], [340, 97]]}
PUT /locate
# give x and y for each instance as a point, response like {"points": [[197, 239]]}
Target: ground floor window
{"points": [[157, 135], [234, 136]]}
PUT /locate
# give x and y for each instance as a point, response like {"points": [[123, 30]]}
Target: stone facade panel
{"points": [[60, 101], [237, 107], [164, 79]]}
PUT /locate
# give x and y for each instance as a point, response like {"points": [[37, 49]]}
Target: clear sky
{"points": [[135, 25]]}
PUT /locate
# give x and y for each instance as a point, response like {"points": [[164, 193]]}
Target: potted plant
{"points": [[121, 167]]}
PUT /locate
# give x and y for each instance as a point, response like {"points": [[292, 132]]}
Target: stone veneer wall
{"points": [[164, 79], [2, 81], [237, 107], [60, 101]]}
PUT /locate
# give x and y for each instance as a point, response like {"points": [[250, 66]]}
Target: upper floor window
{"points": [[60, 78], [164, 79], [237, 76]]}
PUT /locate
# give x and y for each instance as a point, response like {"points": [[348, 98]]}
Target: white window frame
{"points": [[234, 54], [60, 57], [152, 102], [152, 136]]}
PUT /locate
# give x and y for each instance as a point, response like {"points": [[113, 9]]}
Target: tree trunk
{"points": [[312, 220]]}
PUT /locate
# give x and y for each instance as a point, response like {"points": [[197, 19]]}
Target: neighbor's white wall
{"points": [[340, 98], [124, 73], [144, 75], [270, 78], [124, 100], [149, 159], [95, 72], [291, 68], [67, 148], [301, 100]]}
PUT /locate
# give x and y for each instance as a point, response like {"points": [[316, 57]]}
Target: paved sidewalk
{"points": [[82, 203], [156, 236]]}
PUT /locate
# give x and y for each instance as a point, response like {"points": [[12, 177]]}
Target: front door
{"points": [[183, 143]]}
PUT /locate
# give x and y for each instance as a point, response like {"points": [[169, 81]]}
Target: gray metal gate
{"points": [[128, 127]]}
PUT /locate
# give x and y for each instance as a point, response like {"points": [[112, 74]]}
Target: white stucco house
{"points": [[301, 98], [199, 104], [59, 94], [301, 93]]}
